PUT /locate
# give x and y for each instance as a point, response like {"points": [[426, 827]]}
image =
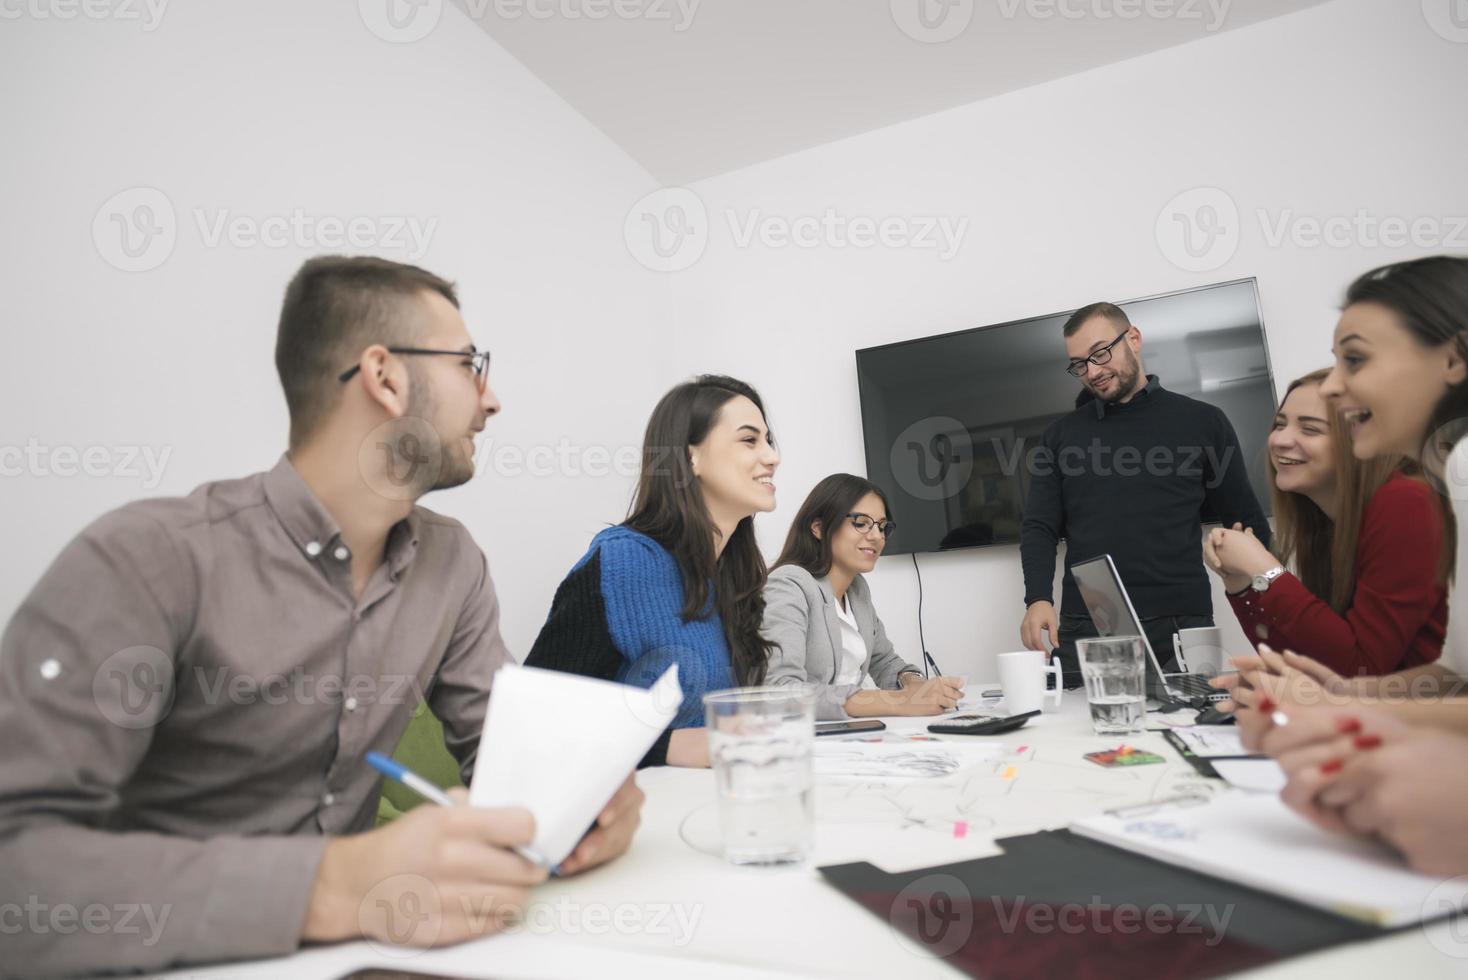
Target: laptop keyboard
{"points": [[1192, 685]]}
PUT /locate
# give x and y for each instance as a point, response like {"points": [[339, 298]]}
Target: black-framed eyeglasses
{"points": [[1078, 367], [863, 523], [479, 361]]}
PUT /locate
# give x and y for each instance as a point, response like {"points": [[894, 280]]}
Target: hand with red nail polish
{"points": [[1404, 785]]}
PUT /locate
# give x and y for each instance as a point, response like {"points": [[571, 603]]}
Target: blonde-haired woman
{"points": [[1364, 538]]}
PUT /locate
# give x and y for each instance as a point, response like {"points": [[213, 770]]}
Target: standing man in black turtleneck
{"points": [[1133, 472]]}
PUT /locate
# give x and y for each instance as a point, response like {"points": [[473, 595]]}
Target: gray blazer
{"points": [[800, 621]]}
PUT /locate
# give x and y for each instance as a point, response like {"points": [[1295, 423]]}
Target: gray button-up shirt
{"points": [[186, 698]]}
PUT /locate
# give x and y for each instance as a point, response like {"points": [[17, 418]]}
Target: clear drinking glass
{"points": [[1113, 667], [760, 743]]}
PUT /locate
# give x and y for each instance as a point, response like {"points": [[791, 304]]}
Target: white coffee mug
{"points": [[1022, 675], [1200, 650]]}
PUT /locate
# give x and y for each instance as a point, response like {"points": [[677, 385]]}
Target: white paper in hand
{"points": [[560, 744]]}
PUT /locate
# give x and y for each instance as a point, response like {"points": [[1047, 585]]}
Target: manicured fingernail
{"points": [[1266, 705], [1265, 648], [1348, 726], [1367, 741], [1333, 766]]}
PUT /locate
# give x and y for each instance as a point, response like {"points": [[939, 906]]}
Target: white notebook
{"points": [[560, 744], [1255, 840]]}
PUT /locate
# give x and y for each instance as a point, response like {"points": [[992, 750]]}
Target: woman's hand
{"points": [[1237, 556], [1273, 680], [916, 697]]}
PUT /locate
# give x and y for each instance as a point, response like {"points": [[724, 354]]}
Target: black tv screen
{"points": [[949, 421]]}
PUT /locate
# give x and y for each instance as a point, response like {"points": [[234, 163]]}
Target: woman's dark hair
{"points": [[826, 507], [1430, 298], [669, 508]]}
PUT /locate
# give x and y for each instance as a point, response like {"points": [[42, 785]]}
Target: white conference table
{"points": [[672, 908]]}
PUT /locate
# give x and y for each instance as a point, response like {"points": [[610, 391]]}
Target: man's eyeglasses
{"points": [[863, 523], [478, 359], [1078, 367]]}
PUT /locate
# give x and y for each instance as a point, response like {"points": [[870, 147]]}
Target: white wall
{"points": [[259, 109], [1352, 105]]}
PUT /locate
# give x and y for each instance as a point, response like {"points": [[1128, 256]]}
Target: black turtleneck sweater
{"points": [[1136, 481]]}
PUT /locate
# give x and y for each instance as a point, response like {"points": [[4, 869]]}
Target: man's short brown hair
{"points": [[1110, 311], [335, 307]]}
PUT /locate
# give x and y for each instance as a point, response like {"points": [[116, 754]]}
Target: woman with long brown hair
{"points": [[819, 619], [679, 581], [1364, 537]]}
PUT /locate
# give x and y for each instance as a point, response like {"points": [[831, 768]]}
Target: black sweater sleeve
{"points": [[1043, 524], [576, 639], [1228, 496]]}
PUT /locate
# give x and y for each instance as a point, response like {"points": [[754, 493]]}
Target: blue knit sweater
{"points": [[617, 616]]}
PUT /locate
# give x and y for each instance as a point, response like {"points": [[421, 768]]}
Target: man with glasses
{"points": [[1133, 472], [188, 695]]}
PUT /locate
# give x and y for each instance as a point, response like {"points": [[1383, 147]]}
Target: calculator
{"points": [[980, 724]]}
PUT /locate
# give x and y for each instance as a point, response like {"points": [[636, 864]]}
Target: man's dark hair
{"points": [[1110, 311], [335, 307]]}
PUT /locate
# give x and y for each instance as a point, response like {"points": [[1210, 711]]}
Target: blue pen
{"points": [[393, 769]]}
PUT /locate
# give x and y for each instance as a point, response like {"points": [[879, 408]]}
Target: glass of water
{"points": [[1114, 673], [760, 742]]}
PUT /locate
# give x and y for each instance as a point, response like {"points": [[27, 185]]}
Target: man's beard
{"points": [[455, 466], [1126, 379]]}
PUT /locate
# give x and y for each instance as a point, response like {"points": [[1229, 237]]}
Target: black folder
{"points": [[1058, 904]]}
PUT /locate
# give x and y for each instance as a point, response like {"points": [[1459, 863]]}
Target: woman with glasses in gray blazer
{"points": [[819, 618]]}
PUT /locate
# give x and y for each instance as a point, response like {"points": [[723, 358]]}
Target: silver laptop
{"points": [[1113, 615]]}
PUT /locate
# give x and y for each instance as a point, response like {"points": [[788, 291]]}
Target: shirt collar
{"points": [[1151, 388], [312, 528]]}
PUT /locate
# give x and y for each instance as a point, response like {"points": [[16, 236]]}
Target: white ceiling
{"points": [[696, 88]]}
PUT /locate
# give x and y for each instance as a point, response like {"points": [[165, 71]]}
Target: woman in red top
{"points": [[1365, 538]]}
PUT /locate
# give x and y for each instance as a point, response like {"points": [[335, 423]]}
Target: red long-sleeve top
{"points": [[1399, 612]]}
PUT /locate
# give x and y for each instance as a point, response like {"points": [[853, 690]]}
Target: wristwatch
{"points": [[1263, 580]]}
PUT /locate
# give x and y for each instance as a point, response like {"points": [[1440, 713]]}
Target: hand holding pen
{"points": [[434, 876]]}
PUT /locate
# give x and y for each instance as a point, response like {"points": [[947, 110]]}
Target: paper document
{"points": [[1213, 741], [1255, 775], [1255, 840], [560, 744], [894, 760]]}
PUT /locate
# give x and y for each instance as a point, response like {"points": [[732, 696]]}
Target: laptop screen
{"points": [[1106, 600]]}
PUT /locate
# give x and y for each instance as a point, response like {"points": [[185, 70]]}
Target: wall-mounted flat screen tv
{"points": [[949, 421]]}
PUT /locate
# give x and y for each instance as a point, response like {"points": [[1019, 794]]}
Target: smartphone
{"points": [[849, 727]]}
